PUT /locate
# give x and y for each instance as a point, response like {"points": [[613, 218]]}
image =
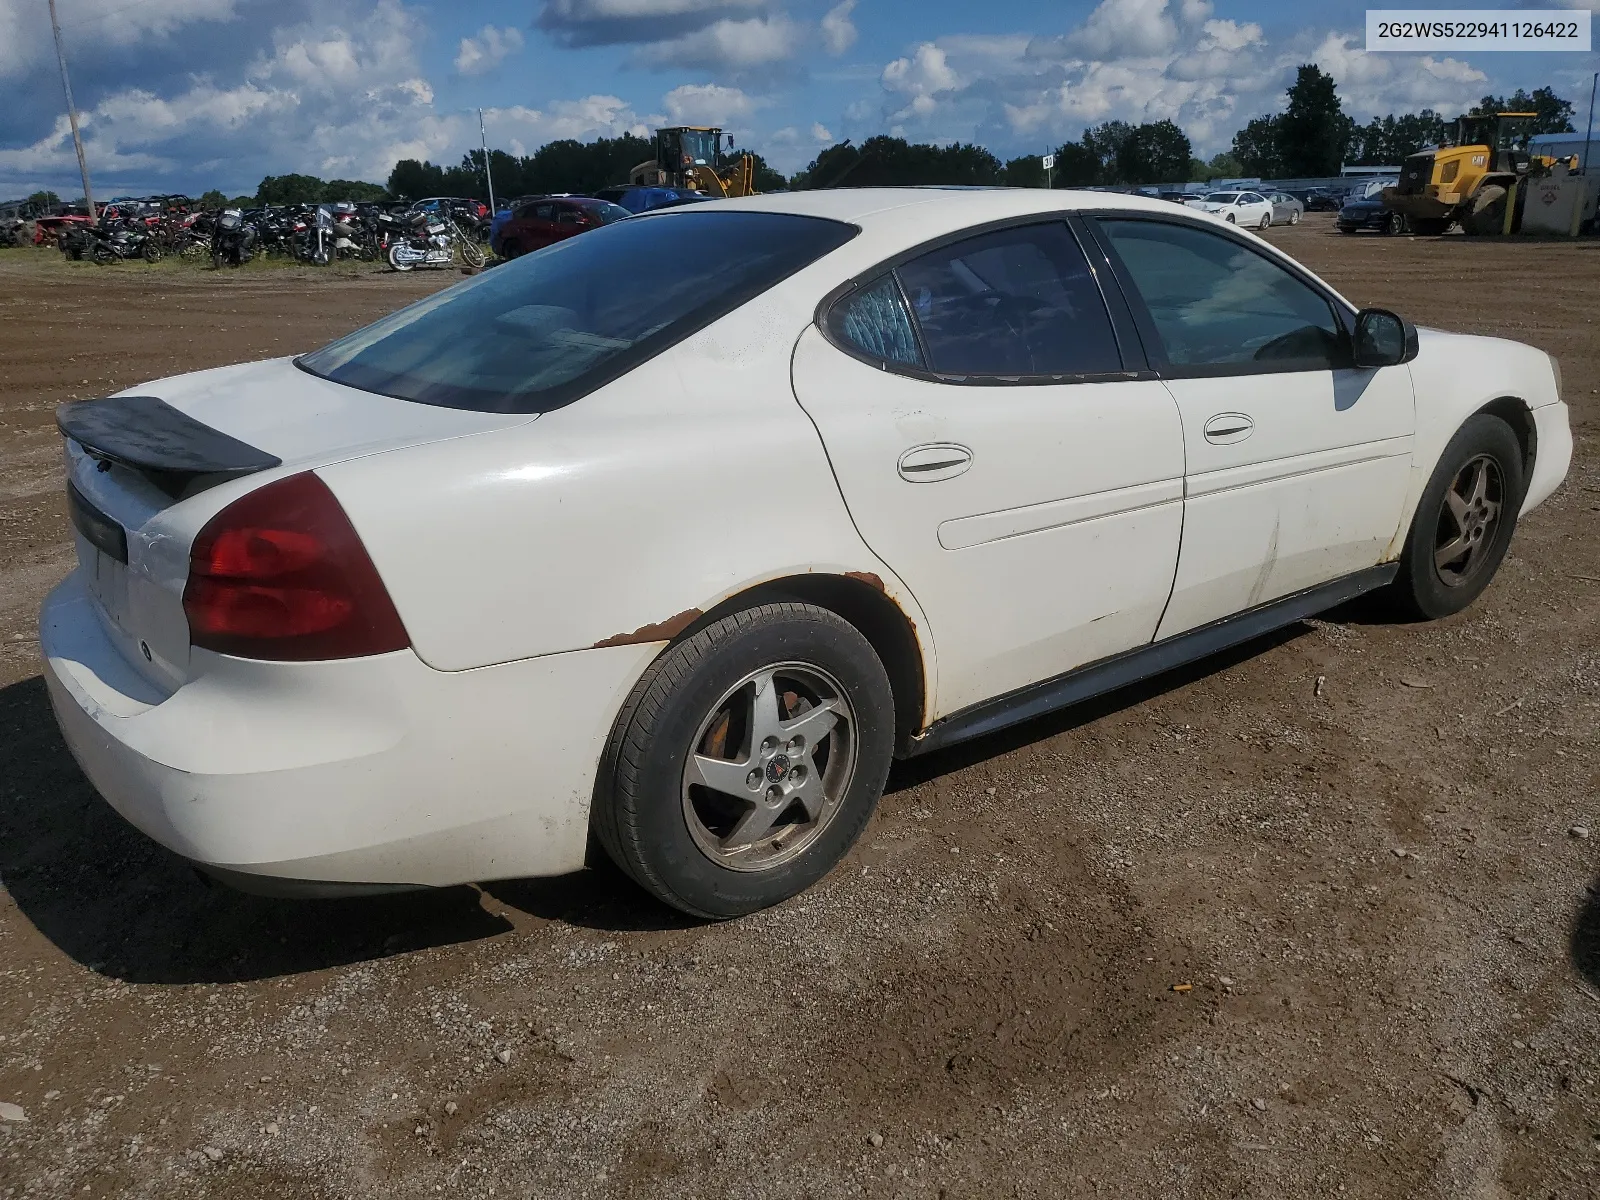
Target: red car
{"points": [[538, 222], [48, 229]]}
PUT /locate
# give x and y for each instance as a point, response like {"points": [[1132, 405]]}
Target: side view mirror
{"points": [[1383, 338]]}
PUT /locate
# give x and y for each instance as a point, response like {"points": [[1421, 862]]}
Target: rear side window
{"points": [[545, 328], [1216, 303], [874, 320], [1015, 302]]}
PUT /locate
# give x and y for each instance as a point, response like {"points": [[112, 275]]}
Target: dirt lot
{"points": [[1392, 932]]}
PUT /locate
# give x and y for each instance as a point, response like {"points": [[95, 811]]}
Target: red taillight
{"points": [[281, 574]]}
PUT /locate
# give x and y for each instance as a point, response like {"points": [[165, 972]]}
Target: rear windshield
{"points": [[1222, 197], [606, 213], [548, 327]]}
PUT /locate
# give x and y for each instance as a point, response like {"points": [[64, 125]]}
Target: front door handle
{"points": [[1226, 428], [933, 462]]}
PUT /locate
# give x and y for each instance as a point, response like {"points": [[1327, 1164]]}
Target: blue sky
{"points": [[182, 95]]}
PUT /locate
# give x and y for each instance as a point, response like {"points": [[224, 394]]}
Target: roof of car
{"points": [[858, 204]]}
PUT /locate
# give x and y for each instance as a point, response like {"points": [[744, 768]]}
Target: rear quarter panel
{"points": [[619, 518]]}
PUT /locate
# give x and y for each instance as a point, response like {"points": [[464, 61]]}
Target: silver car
{"points": [[1286, 210]]}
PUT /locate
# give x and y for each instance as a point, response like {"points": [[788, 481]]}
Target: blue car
{"points": [[643, 199]]}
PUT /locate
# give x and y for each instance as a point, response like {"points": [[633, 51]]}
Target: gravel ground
{"points": [[1320, 917]]}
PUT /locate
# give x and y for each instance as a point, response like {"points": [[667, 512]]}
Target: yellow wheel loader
{"points": [[691, 156], [1470, 178]]}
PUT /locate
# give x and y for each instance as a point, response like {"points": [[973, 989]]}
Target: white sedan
{"points": [[1250, 210], [675, 534]]}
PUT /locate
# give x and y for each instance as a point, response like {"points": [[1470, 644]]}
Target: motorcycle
{"points": [[232, 239], [123, 240], [434, 242]]}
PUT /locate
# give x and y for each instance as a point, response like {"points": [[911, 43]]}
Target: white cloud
{"points": [[838, 30], [926, 72], [709, 104], [1230, 35], [482, 54], [1125, 29], [25, 25], [727, 45]]}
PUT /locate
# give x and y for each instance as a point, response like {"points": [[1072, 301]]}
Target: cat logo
{"points": [[1479, 160]]}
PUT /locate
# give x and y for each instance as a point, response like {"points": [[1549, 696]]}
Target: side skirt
{"points": [[1109, 674]]}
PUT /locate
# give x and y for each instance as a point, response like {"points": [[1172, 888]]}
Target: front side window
{"points": [[547, 327], [1218, 303], [1011, 303]]}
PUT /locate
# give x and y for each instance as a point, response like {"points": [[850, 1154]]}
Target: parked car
{"points": [[1286, 210], [1320, 199], [675, 535], [1249, 209], [1369, 215], [643, 199], [52, 229], [548, 220]]}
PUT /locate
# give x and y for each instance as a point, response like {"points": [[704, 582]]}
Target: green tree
{"points": [[1255, 148], [413, 180], [213, 200], [354, 189], [1077, 165], [884, 161], [1313, 133], [1105, 143], [1222, 166], [1155, 152], [1025, 172], [43, 202], [1554, 113], [290, 189]]}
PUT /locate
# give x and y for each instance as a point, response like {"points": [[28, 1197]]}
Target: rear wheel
{"points": [[1430, 226], [747, 760], [1294, 216], [1464, 520], [103, 255], [151, 251], [395, 260]]}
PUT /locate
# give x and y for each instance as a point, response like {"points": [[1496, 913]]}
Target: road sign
{"points": [[1048, 161]]}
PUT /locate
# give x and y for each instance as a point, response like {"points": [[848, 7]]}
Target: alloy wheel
{"points": [[1468, 521], [769, 767]]}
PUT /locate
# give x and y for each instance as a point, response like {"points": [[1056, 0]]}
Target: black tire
{"points": [[1229, 219], [641, 811], [1430, 226], [1487, 216], [1423, 588]]}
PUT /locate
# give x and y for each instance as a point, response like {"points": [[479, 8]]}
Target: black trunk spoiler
{"points": [[173, 450]]}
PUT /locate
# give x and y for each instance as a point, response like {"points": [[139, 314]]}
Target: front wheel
{"points": [[471, 252], [395, 260], [747, 761], [1464, 520], [1266, 221], [1229, 219]]}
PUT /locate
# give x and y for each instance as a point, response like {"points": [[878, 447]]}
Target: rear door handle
{"points": [[933, 462], [1227, 428]]}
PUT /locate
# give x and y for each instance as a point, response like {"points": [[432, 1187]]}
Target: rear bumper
{"points": [[376, 770]]}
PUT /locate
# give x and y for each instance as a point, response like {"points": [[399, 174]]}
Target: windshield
{"points": [[1222, 197], [606, 213], [700, 145], [548, 327]]}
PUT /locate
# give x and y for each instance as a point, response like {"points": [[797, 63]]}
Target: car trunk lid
{"points": [[146, 469]]}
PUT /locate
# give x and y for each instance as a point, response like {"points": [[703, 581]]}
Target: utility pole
{"points": [[72, 113], [1589, 133], [483, 140]]}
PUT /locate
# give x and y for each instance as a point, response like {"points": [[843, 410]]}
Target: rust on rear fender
{"points": [[662, 631]]}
